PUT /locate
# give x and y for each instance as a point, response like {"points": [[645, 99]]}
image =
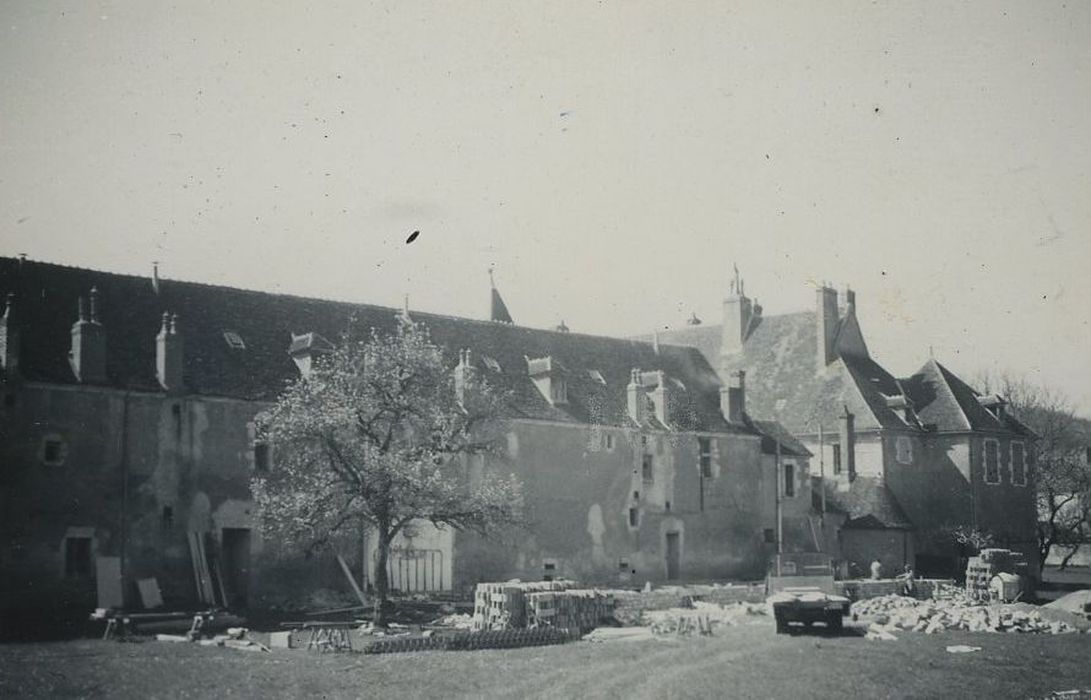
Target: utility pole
{"points": [[822, 475]]}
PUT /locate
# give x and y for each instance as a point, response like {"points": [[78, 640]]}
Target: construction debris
{"points": [[962, 649], [514, 605], [704, 617], [954, 612], [982, 572]]}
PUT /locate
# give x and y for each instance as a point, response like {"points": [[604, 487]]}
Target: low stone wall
{"points": [[863, 589]]}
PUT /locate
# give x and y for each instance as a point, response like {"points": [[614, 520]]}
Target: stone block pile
{"points": [[539, 604], [981, 569]]}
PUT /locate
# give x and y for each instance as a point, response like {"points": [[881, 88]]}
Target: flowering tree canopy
{"points": [[375, 433]]}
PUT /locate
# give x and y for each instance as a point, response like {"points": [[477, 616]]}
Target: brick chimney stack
{"points": [[826, 326], [169, 354], [88, 354], [9, 338], [661, 398]]}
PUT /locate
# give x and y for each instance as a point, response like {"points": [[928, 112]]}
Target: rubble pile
{"points": [[893, 613], [703, 618]]}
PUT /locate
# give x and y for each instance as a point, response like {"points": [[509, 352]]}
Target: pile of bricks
{"points": [[981, 569], [499, 606], [572, 609]]}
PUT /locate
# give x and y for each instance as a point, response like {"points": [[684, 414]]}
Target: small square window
{"points": [[623, 564], [770, 535], [53, 451]]}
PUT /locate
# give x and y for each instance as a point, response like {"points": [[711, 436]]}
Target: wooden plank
{"points": [[150, 595], [108, 582], [348, 574], [200, 568]]}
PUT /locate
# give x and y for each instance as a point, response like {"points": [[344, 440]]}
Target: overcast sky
{"points": [[611, 159]]}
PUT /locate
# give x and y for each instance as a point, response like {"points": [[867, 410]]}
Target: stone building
{"points": [[127, 424], [906, 460]]}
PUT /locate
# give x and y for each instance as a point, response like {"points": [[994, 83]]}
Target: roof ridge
{"points": [[355, 304]]}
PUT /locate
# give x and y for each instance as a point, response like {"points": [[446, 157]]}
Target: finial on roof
{"points": [[155, 276], [492, 282], [693, 320], [561, 327], [405, 306]]}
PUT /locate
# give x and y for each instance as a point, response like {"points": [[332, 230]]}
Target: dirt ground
{"points": [[739, 662]]}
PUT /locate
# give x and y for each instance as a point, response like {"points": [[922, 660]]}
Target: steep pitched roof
{"points": [[943, 400], [131, 310], [773, 433], [867, 504], [781, 379]]}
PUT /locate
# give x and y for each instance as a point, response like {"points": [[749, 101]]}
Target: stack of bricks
{"points": [[539, 604], [500, 606], [990, 562], [581, 610]]}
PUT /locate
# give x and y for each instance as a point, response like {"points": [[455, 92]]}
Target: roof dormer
{"points": [[549, 378]]}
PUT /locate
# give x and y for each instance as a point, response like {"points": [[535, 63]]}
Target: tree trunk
{"points": [[382, 583]]}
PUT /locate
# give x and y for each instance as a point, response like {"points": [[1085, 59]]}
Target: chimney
{"points": [[738, 311], [9, 338], [848, 443], [88, 354], [661, 397], [636, 397], [168, 354], [733, 397], [826, 325], [462, 371]]}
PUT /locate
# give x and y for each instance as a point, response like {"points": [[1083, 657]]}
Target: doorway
{"points": [[674, 555], [236, 565]]}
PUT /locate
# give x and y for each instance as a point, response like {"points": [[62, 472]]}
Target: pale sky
{"points": [[611, 159]]}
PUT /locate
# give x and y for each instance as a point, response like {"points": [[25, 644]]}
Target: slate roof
{"points": [[868, 504], [946, 402], [131, 310], [773, 432], [782, 383]]}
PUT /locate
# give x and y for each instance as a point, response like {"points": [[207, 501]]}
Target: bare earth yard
{"points": [[739, 662]]}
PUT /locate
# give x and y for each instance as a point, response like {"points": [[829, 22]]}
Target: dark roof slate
{"points": [[946, 402], [867, 504], [131, 310]]}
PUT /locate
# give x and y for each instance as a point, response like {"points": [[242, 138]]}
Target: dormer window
{"points": [[596, 376], [549, 378], [491, 363], [234, 340]]}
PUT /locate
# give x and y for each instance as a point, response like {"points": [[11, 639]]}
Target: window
{"points": [[648, 468], [609, 439], [770, 535], [704, 450], [234, 340], [903, 448], [623, 565], [634, 516], [167, 519], [789, 480], [836, 459], [559, 391], [53, 451], [992, 462], [596, 376], [1018, 464], [77, 557], [261, 456]]}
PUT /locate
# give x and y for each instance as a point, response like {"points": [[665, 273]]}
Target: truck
{"points": [[800, 589]]}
